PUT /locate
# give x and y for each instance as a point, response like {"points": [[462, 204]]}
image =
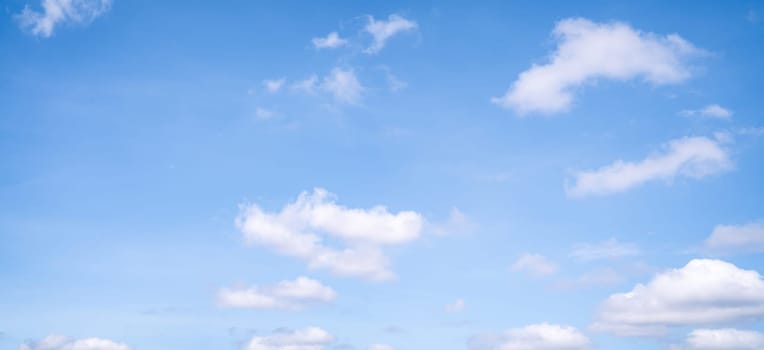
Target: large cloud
{"points": [[59, 342], [297, 231], [692, 157], [283, 295], [542, 336], [587, 51], [61, 11], [702, 292], [312, 338]]}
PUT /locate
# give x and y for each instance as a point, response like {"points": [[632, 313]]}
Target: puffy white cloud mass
{"points": [[736, 238], [55, 12], [283, 295], [297, 229], [710, 111], [722, 339], [312, 338], [702, 292], [383, 30], [535, 264], [691, 157], [587, 51], [59, 342], [542, 336], [331, 41], [610, 249]]}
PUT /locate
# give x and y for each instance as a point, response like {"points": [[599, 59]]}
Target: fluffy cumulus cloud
{"points": [[542, 336], [298, 230], [587, 51], [283, 295], [382, 30], [702, 292], [59, 342], [691, 157], [722, 339], [736, 238], [55, 12], [312, 338], [331, 41], [710, 111], [535, 264], [610, 249]]}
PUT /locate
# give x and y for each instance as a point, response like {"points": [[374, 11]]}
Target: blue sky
{"points": [[350, 175]]}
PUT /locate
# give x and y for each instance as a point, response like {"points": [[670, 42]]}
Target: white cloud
{"points": [[296, 231], [736, 238], [343, 85], [587, 51], [59, 342], [542, 336], [331, 41], [692, 157], [61, 11], [702, 292], [535, 264], [274, 85], [381, 347], [610, 249], [312, 338], [383, 30], [722, 339], [457, 222], [264, 113], [710, 111], [283, 295], [457, 306], [307, 86]]}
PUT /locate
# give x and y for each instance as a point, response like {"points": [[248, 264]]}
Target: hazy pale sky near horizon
{"points": [[288, 175]]}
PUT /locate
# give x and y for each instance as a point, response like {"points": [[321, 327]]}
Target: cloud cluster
{"points": [[702, 292], [692, 157], [535, 264], [59, 342], [736, 238], [542, 336], [382, 30], [296, 230], [312, 338], [283, 295], [55, 12], [587, 51]]}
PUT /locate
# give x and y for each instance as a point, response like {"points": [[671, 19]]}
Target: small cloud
{"points": [[600, 277], [382, 30], [610, 249], [56, 12], [457, 306], [264, 114], [311, 338], [543, 336], [711, 111], [274, 85], [458, 222], [331, 41], [290, 295], [307, 85], [59, 342], [381, 347], [535, 264], [722, 339], [343, 85], [728, 239]]}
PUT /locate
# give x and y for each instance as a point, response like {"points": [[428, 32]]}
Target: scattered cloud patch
{"points": [[722, 339], [382, 30], [535, 264], [343, 85], [702, 292], [274, 85], [55, 12], [308, 85], [587, 51], [736, 238], [711, 111], [264, 113], [690, 157], [610, 249], [312, 338], [60, 342], [331, 41], [283, 295], [542, 336], [458, 222], [457, 306], [381, 347], [297, 229]]}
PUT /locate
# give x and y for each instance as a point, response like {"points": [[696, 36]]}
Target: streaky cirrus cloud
{"points": [[543, 336], [704, 291], [534, 264], [292, 295], [60, 342], [711, 111], [55, 12], [727, 239], [609, 249], [311, 338], [722, 339], [690, 157], [382, 30], [587, 51], [298, 229], [331, 41]]}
